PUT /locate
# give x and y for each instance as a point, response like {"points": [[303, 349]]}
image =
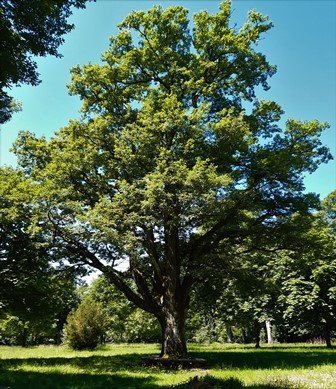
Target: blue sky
{"points": [[302, 45]]}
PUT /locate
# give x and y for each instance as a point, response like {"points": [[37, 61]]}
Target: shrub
{"points": [[86, 326]]}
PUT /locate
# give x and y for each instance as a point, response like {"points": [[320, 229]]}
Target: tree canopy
{"points": [[29, 29], [35, 291], [168, 166]]}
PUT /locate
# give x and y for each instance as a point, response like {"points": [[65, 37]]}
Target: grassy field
{"points": [[118, 366]]}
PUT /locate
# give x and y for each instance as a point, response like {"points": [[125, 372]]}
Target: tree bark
{"points": [[173, 333], [23, 337], [256, 330], [244, 335], [327, 335], [269, 332], [229, 335]]}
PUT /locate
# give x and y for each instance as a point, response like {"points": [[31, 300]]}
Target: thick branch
{"points": [[158, 273], [145, 291], [212, 237], [89, 258]]}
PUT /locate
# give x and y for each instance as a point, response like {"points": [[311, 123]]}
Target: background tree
{"points": [[28, 29], [116, 308], [35, 296], [248, 298], [124, 321], [307, 279], [328, 212], [242, 293], [22, 258], [40, 313], [166, 165]]}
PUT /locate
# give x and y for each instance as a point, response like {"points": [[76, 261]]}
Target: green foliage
{"points": [[22, 259], [166, 170], [115, 306], [308, 277], [329, 210], [12, 330], [293, 288], [36, 311], [140, 326], [15, 331], [204, 326], [27, 29], [35, 297], [124, 322], [86, 326]]}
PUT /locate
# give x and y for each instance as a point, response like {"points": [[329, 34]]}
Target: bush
{"points": [[86, 326]]}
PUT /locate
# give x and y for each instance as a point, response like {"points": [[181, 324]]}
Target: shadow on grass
{"points": [[251, 347], [43, 380], [229, 383], [268, 358], [93, 372], [117, 371], [38, 380], [94, 363]]}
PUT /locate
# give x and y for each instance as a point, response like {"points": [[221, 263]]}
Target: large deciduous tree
{"points": [[27, 29], [174, 158]]}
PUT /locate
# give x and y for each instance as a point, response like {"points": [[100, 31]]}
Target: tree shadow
{"points": [[43, 380], [115, 371], [268, 358], [94, 363], [39, 380], [251, 347], [229, 383], [94, 371]]}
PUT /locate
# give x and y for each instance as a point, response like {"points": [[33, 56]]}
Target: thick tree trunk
{"points": [[173, 334]]}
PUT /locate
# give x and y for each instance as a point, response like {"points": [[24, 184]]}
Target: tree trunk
{"points": [[229, 335], [269, 332], [327, 335], [244, 336], [173, 334], [256, 330], [23, 337]]}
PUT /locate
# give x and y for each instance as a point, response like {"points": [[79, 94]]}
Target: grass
{"points": [[118, 366]]}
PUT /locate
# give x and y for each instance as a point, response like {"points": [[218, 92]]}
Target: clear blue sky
{"points": [[302, 45]]}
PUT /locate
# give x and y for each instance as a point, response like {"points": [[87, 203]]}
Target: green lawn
{"points": [[118, 366]]}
